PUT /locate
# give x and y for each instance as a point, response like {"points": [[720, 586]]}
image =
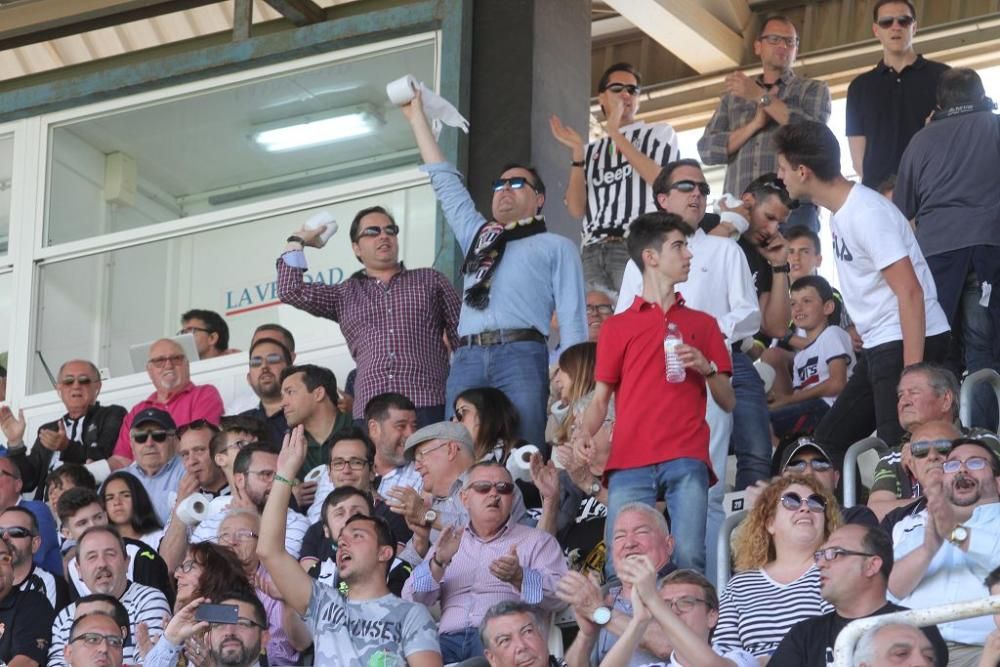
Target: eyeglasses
{"points": [[921, 448], [886, 21], [96, 639], [187, 566], [354, 463], [158, 436], [774, 40], [818, 465], [244, 623], [833, 553], [16, 532], [237, 536], [82, 380], [622, 88], [238, 445], [689, 186], [421, 455], [160, 362], [971, 463], [603, 309], [191, 330], [685, 603], [792, 501], [515, 183], [264, 475], [272, 359], [484, 487], [375, 231]]}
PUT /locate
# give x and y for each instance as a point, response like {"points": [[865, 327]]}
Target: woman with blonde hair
{"points": [[778, 583]]}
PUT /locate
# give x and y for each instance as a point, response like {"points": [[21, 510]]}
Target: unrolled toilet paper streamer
{"points": [[437, 109], [319, 219], [193, 509], [519, 462]]}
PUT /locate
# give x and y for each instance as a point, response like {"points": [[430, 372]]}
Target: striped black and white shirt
{"points": [[144, 605], [44, 582], [616, 193], [755, 611]]}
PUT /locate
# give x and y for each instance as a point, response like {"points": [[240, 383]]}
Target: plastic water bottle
{"points": [[675, 367]]}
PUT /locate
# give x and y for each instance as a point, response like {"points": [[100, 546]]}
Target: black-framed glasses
{"points": [[818, 465], [160, 362], [774, 40], [792, 501], [833, 553], [921, 448], [515, 183], [689, 186], [272, 359], [374, 231], [685, 603], [96, 639], [245, 623], [187, 566], [158, 436], [617, 88], [602, 309], [353, 462], [16, 532], [903, 21], [82, 380], [971, 463], [484, 487], [191, 330]]}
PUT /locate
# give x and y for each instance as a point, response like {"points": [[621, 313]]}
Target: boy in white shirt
{"points": [[821, 368]]}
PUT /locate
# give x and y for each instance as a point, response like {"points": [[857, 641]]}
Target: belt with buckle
{"points": [[501, 336]]}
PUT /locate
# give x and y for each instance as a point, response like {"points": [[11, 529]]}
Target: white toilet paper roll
{"points": [[220, 504], [402, 90], [519, 462], [766, 373], [319, 219], [193, 509], [315, 473]]}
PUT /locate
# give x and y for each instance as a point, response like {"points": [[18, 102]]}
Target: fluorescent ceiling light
{"points": [[316, 130]]}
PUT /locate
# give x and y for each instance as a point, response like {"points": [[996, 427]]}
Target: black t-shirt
{"points": [[809, 643], [26, 618], [760, 269]]}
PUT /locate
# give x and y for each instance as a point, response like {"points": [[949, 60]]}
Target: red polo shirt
{"points": [[655, 420], [194, 402]]}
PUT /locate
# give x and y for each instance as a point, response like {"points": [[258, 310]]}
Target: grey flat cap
{"points": [[451, 431]]}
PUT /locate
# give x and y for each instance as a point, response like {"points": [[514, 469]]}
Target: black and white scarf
{"points": [[486, 252]]}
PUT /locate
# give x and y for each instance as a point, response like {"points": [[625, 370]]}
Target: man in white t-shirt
{"points": [[611, 179], [884, 278]]}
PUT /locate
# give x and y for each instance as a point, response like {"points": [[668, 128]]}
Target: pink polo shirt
{"points": [[192, 403]]}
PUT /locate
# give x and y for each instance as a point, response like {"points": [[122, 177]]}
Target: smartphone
{"points": [[217, 613]]}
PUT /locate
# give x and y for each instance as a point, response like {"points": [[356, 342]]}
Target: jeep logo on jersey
{"points": [[841, 250], [613, 176]]}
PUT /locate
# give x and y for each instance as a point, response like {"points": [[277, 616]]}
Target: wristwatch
{"points": [[713, 369], [295, 239], [430, 516], [595, 488], [958, 535], [765, 100], [601, 616]]}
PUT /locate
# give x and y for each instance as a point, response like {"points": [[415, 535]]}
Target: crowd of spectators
{"points": [[485, 498]]}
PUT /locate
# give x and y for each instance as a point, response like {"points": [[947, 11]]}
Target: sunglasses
{"points": [[833, 553], [484, 487], [82, 380], [792, 502], [622, 88], [375, 231], [921, 448], [142, 436], [818, 465], [972, 463], [515, 183], [272, 359], [689, 186], [16, 532], [904, 21]]}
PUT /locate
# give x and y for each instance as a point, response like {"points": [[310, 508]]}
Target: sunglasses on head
{"points": [[689, 186], [482, 486], [921, 448], [142, 436], [515, 183], [82, 380], [792, 501], [271, 359], [887, 21], [616, 88], [375, 231]]}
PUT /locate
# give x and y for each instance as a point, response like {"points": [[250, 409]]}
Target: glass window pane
{"points": [[207, 151], [6, 172], [113, 300], [6, 299]]}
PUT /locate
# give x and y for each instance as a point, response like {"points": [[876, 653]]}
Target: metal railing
{"points": [[847, 640], [723, 566], [850, 469], [985, 375]]}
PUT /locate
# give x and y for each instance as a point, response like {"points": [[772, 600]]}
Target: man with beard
{"points": [[25, 617], [230, 644], [19, 530], [268, 358], [944, 553], [104, 569]]}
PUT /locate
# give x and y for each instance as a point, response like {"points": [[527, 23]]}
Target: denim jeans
{"points": [[869, 400], [720, 424], [798, 418], [519, 370], [684, 484], [460, 645], [751, 424], [604, 263]]}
